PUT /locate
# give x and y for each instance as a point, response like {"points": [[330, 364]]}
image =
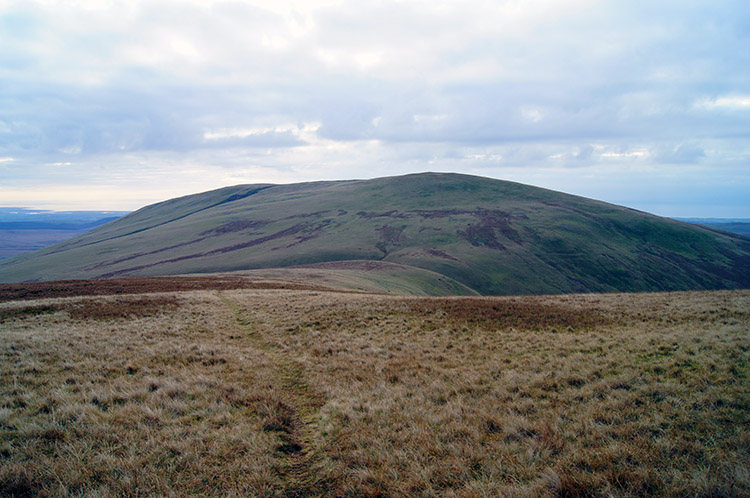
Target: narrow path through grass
{"points": [[295, 420]]}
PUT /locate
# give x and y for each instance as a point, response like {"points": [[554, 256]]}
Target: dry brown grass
{"points": [[104, 309], [140, 285], [302, 393], [170, 404]]}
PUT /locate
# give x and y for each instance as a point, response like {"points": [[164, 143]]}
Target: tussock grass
{"points": [[302, 393], [171, 404], [493, 314]]}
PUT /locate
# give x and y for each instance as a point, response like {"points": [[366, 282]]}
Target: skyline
{"points": [[116, 105]]}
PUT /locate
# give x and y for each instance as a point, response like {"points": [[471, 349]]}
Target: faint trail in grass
{"points": [[298, 416]]}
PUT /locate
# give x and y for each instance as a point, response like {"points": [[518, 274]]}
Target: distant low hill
{"points": [[740, 226], [24, 230], [489, 236]]}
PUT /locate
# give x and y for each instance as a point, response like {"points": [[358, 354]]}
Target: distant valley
{"points": [[23, 230]]}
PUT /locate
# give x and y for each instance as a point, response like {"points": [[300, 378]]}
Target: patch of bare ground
{"points": [[251, 392]]}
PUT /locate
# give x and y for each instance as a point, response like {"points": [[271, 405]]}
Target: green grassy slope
{"points": [[493, 236], [365, 276]]}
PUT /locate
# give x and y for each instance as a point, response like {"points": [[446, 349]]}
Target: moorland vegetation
{"points": [[222, 389]]}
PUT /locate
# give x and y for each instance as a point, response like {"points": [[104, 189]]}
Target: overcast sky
{"points": [[119, 104]]}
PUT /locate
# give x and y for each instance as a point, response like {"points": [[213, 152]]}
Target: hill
{"points": [[492, 236], [737, 225]]}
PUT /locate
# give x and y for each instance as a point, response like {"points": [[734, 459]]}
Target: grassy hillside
{"points": [[289, 392], [492, 236], [357, 276], [365, 276]]}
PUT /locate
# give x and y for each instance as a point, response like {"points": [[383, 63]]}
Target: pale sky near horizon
{"points": [[113, 105]]}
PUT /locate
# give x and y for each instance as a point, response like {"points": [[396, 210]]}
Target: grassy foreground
{"points": [[292, 392]]}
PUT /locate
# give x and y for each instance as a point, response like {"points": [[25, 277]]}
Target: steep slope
{"points": [[493, 236]]}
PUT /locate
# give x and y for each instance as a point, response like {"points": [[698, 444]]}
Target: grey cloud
{"points": [[585, 94], [682, 154], [426, 84]]}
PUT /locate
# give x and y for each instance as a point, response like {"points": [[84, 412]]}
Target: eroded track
{"points": [[296, 419]]}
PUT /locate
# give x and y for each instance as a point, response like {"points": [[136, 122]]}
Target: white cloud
{"points": [[532, 114], [636, 154], [729, 102], [223, 133], [70, 149], [264, 136]]}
